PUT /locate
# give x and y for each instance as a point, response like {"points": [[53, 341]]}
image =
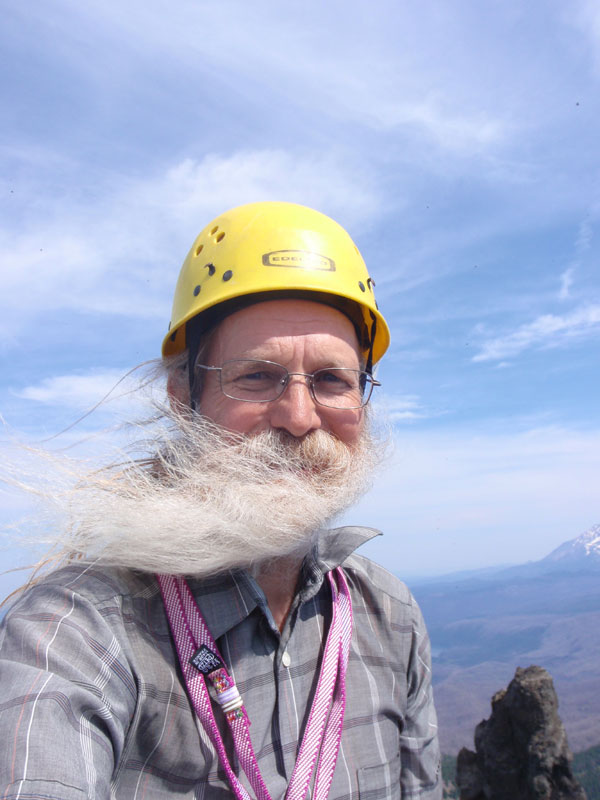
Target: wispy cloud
{"points": [[335, 61], [73, 391], [194, 188], [548, 330], [586, 232], [97, 253], [585, 16], [583, 244], [396, 408], [113, 392], [566, 281], [450, 499]]}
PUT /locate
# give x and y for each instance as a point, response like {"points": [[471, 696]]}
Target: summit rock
{"points": [[521, 751]]}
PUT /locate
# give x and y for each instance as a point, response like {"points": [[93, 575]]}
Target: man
{"points": [[270, 672]]}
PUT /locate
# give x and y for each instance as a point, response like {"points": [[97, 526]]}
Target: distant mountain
{"points": [[581, 554], [483, 625], [582, 551]]}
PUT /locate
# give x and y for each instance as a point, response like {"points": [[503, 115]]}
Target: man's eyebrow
{"points": [[252, 355], [326, 364]]}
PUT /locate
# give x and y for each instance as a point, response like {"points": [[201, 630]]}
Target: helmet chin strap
{"points": [[369, 365], [193, 334]]}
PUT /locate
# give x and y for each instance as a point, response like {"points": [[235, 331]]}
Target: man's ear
{"points": [[178, 389]]}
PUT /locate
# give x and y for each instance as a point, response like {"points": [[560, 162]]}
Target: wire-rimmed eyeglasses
{"points": [[255, 381]]}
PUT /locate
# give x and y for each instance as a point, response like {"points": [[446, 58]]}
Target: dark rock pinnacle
{"points": [[521, 751]]}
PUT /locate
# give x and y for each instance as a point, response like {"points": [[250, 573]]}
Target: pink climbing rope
{"points": [[199, 658]]}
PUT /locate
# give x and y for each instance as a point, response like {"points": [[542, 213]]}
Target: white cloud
{"points": [[456, 499], [192, 189], [566, 281], [548, 330], [119, 252], [585, 16], [332, 60], [329, 70], [115, 391], [583, 243], [470, 131], [74, 391], [400, 408], [582, 246], [585, 233]]}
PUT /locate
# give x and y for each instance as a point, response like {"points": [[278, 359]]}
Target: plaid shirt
{"points": [[93, 704]]}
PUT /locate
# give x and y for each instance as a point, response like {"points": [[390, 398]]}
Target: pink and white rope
{"points": [[321, 741], [173, 592], [333, 734], [317, 737]]}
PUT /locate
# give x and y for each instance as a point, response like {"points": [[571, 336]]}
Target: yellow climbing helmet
{"points": [[262, 251]]}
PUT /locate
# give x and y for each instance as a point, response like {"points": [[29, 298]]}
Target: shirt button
{"points": [[286, 659]]}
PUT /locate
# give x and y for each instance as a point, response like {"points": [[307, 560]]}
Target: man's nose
{"points": [[295, 410]]}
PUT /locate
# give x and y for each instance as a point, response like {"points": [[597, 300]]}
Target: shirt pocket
{"points": [[380, 782]]}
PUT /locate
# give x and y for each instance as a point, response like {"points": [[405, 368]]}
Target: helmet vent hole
{"points": [[214, 230], [227, 275], [361, 286], [220, 236], [199, 249]]}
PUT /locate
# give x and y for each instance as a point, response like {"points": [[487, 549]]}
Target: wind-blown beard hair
{"points": [[211, 500]]}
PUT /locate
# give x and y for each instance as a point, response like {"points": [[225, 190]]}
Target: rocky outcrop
{"points": [[521, 751]]}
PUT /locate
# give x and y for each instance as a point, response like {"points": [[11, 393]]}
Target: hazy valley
{"points": [[483, 625]]}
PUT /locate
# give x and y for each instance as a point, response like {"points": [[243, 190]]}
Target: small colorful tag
{"points": [[205, 660]]}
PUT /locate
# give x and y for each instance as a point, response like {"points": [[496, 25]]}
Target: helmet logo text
{"points": [[302, 259]]}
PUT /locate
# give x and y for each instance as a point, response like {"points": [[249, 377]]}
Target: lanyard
{"points": [[199, 658]]}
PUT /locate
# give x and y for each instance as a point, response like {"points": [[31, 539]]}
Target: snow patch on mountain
{"points": [[586, 546]]}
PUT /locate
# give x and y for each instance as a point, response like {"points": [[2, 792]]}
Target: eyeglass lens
{"points": [[261, 381]]}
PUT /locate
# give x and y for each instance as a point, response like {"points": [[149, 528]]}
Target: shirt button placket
{"points": [[290, 716]]}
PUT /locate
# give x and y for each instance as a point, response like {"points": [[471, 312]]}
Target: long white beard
{"points": [[212, 500]]}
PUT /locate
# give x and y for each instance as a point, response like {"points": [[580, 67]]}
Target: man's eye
{"points": [[329, 377], [338, 380], [258, 376]]}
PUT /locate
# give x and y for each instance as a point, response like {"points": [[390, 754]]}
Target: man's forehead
{"points": [[278, 320]]}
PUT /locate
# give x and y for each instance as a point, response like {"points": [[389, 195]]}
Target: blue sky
{"points": [[457, 142]]}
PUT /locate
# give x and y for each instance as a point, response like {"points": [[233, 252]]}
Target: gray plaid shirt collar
{"points": [[244, 594]]}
